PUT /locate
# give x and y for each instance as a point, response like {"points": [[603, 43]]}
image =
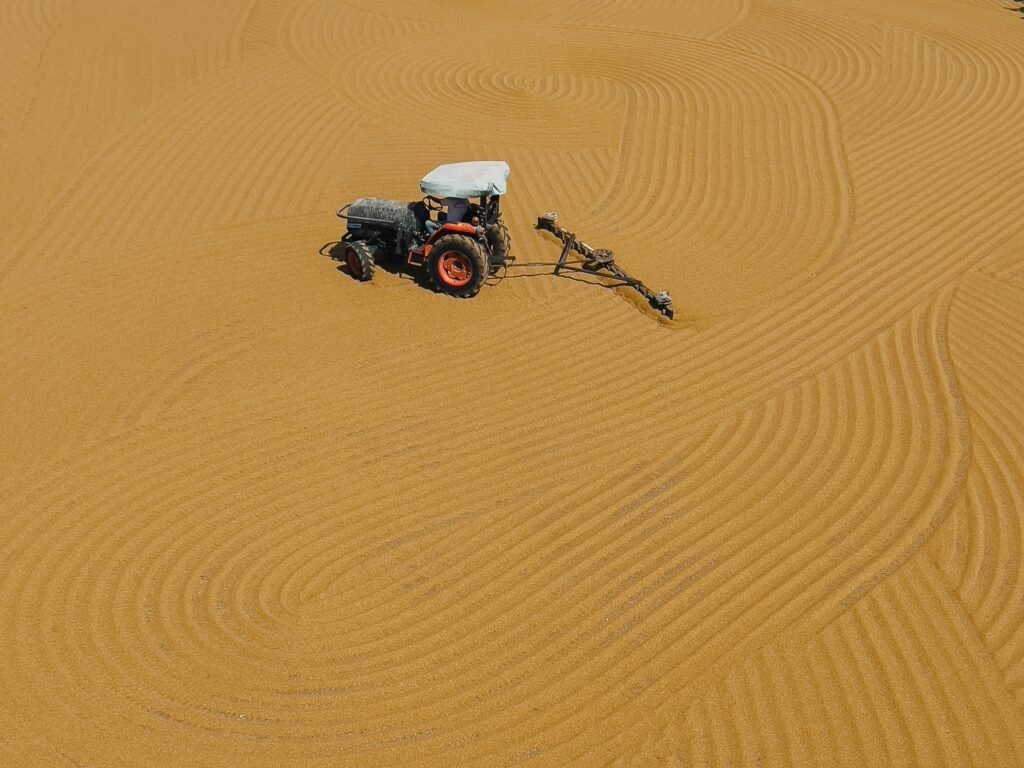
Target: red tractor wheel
{"points": [[458, 265]]}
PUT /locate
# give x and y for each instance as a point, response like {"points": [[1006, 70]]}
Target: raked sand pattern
{"points": [[255, 513]]}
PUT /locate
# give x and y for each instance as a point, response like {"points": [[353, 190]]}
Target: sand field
{"points": [[255, 513]]}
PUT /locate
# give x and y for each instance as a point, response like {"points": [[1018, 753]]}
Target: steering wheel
{"points": [[433, 203]]}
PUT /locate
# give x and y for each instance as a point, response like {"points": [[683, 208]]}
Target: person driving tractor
{"points": [[455, 211]]}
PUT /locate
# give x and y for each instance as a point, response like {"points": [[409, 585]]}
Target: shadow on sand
{"points": [[334, 251], [392, 266]]}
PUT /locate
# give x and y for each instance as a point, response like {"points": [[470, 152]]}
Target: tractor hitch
{"points": [[598, 262]]}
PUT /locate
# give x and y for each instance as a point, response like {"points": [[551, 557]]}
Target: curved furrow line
{"points": [[940, 48], [979, 529], [895, 666], [155, 309], [784, 231], [178, 160], [947, 707], [989, 208], [848, 715], [744, 745], [164, 394], [917, 689], [26, 30], [789, 705], [966, 652], [260, 160], [613, 535], [866, 297], [700, 750], [318, 32], [966, 655], [867, 663], [681, 75], [940, 493], [473, 15], [260, 28], [993, 582], [915, 544], [835, 283], [102, 456], [951, 548], [996, 586], [774, 710], [926, 143], [911, 89], [832, 539], [92, 186], [812, 686], [171, 429], [28, 16], [839, 56], [772, 735], [697, 19], [490, 87], [978, 67], [873, 727], [95, 76]]}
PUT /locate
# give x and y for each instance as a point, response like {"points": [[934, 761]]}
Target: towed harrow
{"points": [[577, 256]]}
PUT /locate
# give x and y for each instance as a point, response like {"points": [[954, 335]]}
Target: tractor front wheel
{"points": [[359, 258], [458, 266]]}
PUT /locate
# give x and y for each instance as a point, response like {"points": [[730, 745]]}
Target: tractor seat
{"points": [[419, 210]]}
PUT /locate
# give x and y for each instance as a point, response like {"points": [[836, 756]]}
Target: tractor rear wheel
{"points": [[359, 258], [458, 266], [501, 244]]}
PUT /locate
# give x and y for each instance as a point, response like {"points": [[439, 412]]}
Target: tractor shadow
{"points": [[393, 266]]}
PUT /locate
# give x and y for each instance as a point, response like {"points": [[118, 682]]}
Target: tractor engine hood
{"points": [[371, 213]]}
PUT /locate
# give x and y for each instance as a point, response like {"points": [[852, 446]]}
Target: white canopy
{"points": [[483, 177]]}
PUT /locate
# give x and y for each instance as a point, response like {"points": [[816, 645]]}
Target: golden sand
{"points": [[256, 513]]}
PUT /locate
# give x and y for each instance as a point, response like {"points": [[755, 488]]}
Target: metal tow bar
{"points": [[598, 262]]}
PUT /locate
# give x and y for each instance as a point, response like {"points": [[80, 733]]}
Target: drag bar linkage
{"points": [[600, 262]]}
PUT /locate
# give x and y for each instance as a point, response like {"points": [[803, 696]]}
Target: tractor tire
{"points": [[360, 261], [458, 266], [501, 244]]}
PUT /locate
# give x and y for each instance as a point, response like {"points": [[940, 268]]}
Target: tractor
{"points": [[455, 232]]}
